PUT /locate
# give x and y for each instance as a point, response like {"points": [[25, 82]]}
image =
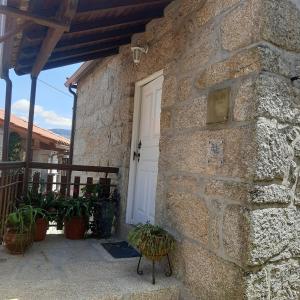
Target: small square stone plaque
{"points": [[215, 153], [218, 106]]}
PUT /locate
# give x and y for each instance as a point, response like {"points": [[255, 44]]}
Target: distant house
{"points": [[47, 146]]}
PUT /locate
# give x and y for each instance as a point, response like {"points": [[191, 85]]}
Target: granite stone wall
{"points": [[234, 212], [274, 216]]}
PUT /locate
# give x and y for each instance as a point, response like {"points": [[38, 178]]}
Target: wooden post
{"points": [[20, 185], [76, 189], [49, 184], [69, 174], [89, 186], [105, 187], [63, 185], [29, 131], [8, 94], [36, 183]]}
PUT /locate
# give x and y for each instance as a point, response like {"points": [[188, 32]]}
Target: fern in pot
{"points": [[151, 240]]}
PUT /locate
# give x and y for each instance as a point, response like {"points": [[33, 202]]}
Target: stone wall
{"points": [[274, 216], [236, 218]]}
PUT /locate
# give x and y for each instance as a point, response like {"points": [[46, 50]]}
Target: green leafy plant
{"points": [[22, 219], [45, 201], [33, 199], [79, 207], [151, 240], [15, 147]]}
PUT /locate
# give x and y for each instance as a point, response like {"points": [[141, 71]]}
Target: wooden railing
{"points": [[11, 187], [12, 182]]}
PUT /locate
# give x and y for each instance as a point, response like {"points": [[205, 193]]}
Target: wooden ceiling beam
{"points": [[69, 61], [68, 41], [29, 52], [66, 13], [116, 40], [22, 14], [95, 7], [109, 23], [12, 32], [87, 57], [80, 54], [26, 62]]}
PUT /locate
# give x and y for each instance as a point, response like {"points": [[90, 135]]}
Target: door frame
{"points": [[134, 142]]}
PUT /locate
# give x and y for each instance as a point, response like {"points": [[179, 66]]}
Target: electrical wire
{"points": [[53, 87]]}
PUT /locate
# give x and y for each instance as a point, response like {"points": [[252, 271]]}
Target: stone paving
{"points": [[58, 268]]}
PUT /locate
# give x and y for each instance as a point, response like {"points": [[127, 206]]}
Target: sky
{"points": [[53, 108]]}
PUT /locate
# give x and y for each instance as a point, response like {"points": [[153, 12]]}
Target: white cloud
{"points": [[21, 107]]}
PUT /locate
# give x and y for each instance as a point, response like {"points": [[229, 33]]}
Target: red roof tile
{"points": [[23, 125]]}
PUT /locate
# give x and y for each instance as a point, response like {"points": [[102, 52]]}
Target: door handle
{"points": [[136, 155], [140, 145]]}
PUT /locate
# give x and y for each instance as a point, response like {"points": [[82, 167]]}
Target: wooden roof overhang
{"points": [[47, 34]]}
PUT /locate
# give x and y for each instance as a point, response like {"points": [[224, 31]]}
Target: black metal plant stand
{"points": [[167, 273]]}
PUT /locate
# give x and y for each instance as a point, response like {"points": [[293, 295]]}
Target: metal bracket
{"points": [[168, 272]]}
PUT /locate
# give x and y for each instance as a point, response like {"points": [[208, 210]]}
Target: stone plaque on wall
{"points": [[218, 106], [215, 153]]}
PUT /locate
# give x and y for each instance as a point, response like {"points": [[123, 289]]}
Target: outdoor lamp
{"points": [[137, 53]]}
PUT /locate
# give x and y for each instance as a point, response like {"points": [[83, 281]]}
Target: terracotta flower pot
{"points": [[75, 228], [40, 230], [17, 243]]}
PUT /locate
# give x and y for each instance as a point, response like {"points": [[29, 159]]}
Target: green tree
{"points": [[15, 147]]}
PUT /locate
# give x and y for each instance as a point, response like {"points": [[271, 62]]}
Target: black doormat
{"points": [[120, 250]]}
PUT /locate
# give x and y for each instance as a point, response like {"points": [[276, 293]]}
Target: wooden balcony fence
{"points": [[12, 182]]}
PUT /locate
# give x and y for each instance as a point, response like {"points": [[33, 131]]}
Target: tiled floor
{"points": [[58, 268]]}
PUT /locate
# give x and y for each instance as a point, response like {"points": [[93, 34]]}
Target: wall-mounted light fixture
{"points": [[137, 53]]}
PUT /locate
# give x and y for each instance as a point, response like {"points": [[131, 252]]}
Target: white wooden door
{"points": [[147, 152]]}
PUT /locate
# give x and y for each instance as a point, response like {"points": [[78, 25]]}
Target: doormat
{"points": [[120, 250]]}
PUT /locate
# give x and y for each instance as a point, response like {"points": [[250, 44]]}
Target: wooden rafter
{"points": [[69, 61], [13, 32], [117, 21], [66, 12], [84, 57], [14, 12], [77, 51], [70, 41], [95, 43], [97, 30], [107, 5]]}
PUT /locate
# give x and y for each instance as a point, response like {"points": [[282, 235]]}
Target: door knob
{"points": [[136, 155]]}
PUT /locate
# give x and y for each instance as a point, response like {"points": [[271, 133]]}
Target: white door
{"points": [[146, 153]]}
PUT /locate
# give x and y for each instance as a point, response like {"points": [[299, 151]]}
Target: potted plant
{"points": [[41, 225], [55, 209], [151, 240], [40, 202], [19, 229], [104, 209], [76, 218]]}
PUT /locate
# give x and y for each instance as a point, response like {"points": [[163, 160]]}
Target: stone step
{"points": [[171, 293]]}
